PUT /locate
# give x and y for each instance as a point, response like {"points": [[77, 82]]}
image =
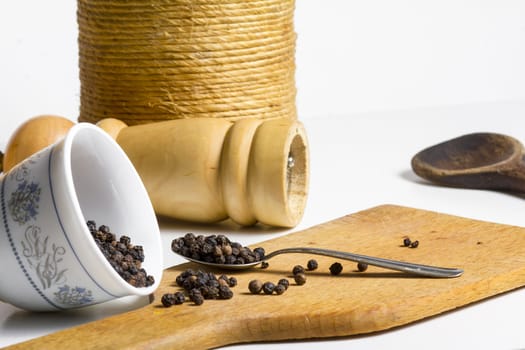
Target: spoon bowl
{"points": [[479, 160], [411, 268]]}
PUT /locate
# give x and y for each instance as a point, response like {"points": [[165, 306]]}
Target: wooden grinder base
{"points": [[492, 255]]}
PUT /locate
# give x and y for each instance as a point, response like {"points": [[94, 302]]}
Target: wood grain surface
{"points": [[492, 255]]}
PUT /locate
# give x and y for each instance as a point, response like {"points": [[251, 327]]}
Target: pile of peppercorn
{"points": [[216, 249], [123, 256], [200, 285]]}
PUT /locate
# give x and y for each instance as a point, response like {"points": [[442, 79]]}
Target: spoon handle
{"points": [[416, 269]]}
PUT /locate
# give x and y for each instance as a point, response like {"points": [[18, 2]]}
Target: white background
{"points": [[377, 81]]}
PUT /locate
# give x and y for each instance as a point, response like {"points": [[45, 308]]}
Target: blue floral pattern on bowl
{"points": [[40, 258], [23, 204], [73, 295]]}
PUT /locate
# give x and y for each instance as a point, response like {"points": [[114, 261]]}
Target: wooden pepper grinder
{"points": [[208, 169]]}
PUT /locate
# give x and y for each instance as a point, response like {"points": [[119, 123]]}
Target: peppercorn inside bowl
{"points": [[77, 227]]}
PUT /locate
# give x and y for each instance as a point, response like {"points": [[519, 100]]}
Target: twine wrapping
{"points": [[150, 60]]}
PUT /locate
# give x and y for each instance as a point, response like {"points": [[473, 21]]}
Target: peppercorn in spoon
{"points": [[219, 252]]}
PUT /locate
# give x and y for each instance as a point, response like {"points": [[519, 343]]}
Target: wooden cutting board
{"points": [[492, 255]]}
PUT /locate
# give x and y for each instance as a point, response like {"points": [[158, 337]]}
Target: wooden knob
{"points": [[32, 136], [112, 126]]}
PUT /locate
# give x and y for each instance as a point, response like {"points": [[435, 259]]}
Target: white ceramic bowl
{"points": [[48, 258]]}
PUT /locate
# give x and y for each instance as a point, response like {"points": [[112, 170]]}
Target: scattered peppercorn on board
{"points": [[492, 255]]}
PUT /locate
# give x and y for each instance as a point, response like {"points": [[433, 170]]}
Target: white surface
{"points": [[377, 82]]}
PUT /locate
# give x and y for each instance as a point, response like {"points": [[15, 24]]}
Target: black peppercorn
{"points": [[222, 240], [217, 250], [226, 249], [179, 298], [168, 299], [297, 269], [133, 269], [268, 287], [284, 282], [279, 289], [225, 292], [196, 296], [312, 264], [300, 278], [232, 282], [223, 282], [264, 265], [207, 248], [336, 268], [210, 292], [150, 280], [198, 299], [407, 242], [260, 251], [179, 280], [92, 226], [125, 240], [213, 282], [361, 266], [414, 244], [229, 259], [255, 286], [224, 278]]}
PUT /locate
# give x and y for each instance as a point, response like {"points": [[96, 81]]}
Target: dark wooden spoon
{"points": [[479, 160]]}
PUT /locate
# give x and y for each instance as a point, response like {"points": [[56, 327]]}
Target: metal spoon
{"points": [[479, 160], [411, 268]]}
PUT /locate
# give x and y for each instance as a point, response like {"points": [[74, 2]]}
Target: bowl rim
{"points": [[74, 203]]}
